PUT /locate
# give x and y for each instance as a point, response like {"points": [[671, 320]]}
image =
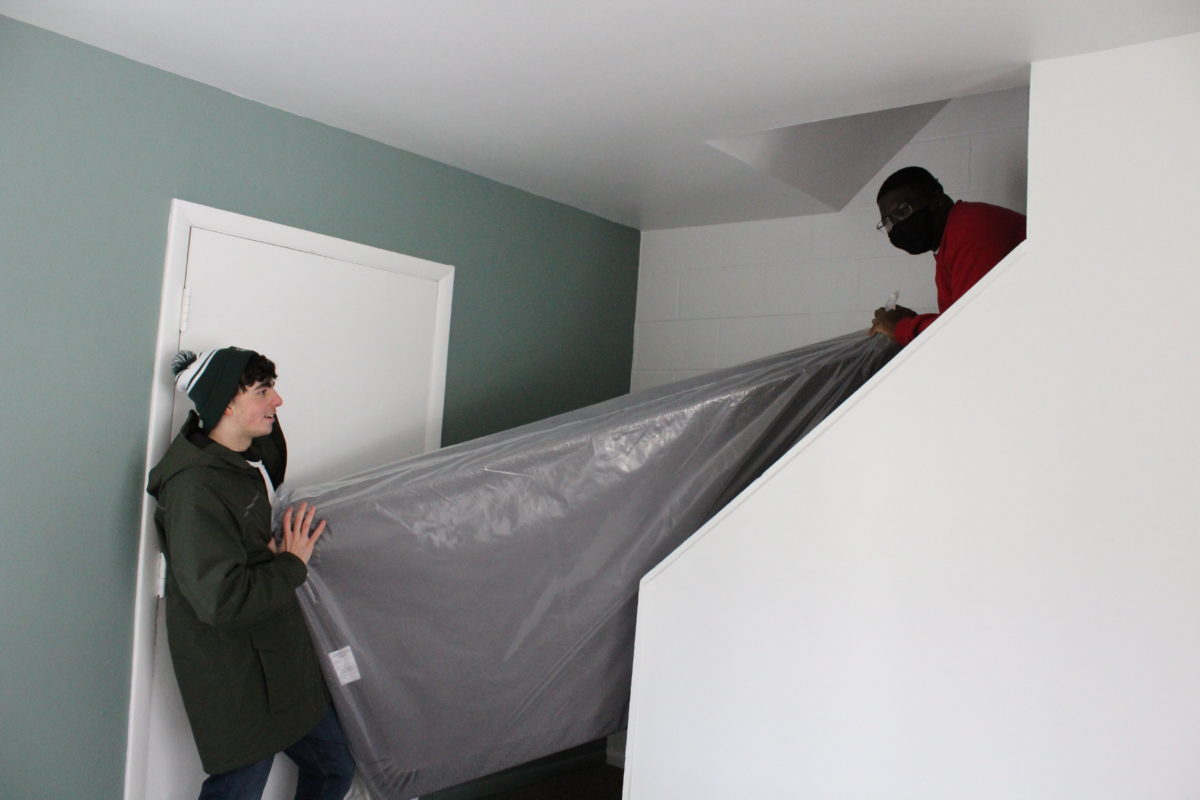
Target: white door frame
{"points": [[184, 217]]}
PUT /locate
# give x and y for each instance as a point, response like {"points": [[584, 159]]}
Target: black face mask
{"points": [[915, 233]]}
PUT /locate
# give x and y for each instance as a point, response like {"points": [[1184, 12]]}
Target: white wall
{"points": [[981, 579], [718, 295]]}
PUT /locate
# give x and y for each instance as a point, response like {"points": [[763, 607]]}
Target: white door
{"points": [[358, 336]]}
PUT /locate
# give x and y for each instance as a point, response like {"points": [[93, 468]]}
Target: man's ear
{"points": [[229, 408]]}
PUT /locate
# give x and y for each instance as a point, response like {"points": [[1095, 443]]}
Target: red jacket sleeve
{"points": [[977, 237], [908, 328]]}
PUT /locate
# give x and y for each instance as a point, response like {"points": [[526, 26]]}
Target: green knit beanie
{"points": [[210, 380]]}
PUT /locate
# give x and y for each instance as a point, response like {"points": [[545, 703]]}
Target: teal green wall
{"points": [[92, 149]]}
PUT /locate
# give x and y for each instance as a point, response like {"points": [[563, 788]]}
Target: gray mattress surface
{"points": [[475, 606]]}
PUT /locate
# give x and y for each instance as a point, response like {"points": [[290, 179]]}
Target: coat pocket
{"points": [[281, 655]]}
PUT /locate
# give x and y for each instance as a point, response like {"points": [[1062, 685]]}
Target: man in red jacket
{"points": [[967, 240]]}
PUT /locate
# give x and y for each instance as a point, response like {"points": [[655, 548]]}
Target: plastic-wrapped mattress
{"points": [[477, 603]]}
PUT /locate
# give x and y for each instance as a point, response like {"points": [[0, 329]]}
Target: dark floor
{"points": [[600, 782]]}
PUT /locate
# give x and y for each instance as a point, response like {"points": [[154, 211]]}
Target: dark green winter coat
{"points": [[249, 677]]}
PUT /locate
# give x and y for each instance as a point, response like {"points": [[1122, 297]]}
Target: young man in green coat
{"points": [[247, 671]]}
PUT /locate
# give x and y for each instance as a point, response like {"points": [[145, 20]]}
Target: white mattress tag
{"points": [[344, 665]]}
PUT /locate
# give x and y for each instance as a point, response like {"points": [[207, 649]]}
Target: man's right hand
{"points": [[299, 538], [886, 319]]}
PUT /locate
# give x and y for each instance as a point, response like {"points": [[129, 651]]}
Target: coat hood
{"points": [[183, 455]]}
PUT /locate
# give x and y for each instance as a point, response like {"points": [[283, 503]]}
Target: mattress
{"points": [[475, 606]]}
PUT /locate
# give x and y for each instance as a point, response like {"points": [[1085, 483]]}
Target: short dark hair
{"points": [[911, 178], [258, 369]]}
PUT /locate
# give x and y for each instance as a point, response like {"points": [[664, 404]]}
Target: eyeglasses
{"points": [[901, 212]]}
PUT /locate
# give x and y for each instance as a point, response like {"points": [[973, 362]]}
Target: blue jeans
{"points": [[326, 768]]}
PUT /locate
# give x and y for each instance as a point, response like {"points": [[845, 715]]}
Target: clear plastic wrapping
{"points": [[480, 600]]}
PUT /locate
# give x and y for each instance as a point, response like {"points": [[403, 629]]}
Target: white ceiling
{"points": [[605, 105]]}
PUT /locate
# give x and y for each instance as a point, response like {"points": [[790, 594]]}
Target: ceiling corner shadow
{"points": [[831, 160]]}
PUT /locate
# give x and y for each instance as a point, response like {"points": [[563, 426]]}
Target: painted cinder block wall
{"points": [[93, 147], [716, 295]]}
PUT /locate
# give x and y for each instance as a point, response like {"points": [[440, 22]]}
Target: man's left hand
{"points": [[299, 536]]}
